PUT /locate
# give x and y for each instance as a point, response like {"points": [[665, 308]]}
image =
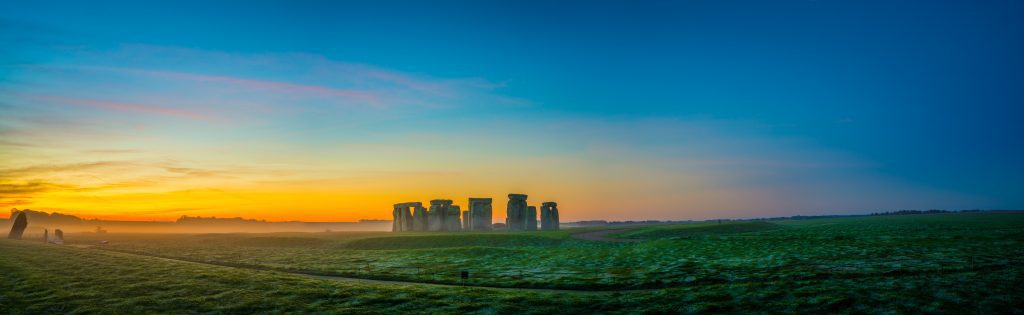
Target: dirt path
{"points": [[602, 236], [375, 281]]}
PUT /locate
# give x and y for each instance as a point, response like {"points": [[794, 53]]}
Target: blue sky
{"points": [[818, 106]]}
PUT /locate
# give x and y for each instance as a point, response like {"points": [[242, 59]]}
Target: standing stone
{"points": [[554, 216], [18, 228], [419, 217], [452, 221], [515, 212], [46, 236], [480, 214], [549, 216], [407, 217], [395, 219], [545, 217], [531, 219], [434, 217], [403, 220], [467, 224], [58, 236], [446, 215], [438, 217]]}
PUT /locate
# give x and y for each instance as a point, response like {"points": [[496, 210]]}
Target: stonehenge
{"points": [[18, 228], [442, 215], [549, 216]]}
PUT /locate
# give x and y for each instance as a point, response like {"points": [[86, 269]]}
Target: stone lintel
{"points": [[517, 196], [439, 202]]}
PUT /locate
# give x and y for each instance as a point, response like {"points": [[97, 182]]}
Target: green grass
{"points": [[919, 263], [454, 240], [702, 229], [41, 278]]}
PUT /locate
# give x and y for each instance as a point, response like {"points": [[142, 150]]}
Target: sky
{"points": [[618, 110]]}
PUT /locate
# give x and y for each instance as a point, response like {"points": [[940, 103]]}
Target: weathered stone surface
{"points": [[545, 217], [549, 216], [407, 223], [555, 221], [402, 218], [515, 212], [467, 221], [480, 214], [419, 217], [18, 228], [58, 236], [436, 215], [531, 218], [395, 219], [453, 219]]}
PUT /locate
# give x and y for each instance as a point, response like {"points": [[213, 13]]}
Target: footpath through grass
{"points": [[40, 278], [670, 256]]}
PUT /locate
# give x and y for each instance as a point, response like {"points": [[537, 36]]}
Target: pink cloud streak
{"points": [[128, 107], [262, 84], [364, 96]]}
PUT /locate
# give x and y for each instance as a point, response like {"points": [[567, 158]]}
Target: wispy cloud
{"points": [[362, 95], [44, 169], [295, 75], [17, 193], [9, 190], [14, 143], [23, 185], [773, 163], [113, 151], [121, 106]]}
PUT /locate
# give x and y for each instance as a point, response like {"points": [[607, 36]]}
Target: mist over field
{"points": [[41, 220]]}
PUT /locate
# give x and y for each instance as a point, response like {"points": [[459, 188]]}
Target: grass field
{"points": [[916, 263]]}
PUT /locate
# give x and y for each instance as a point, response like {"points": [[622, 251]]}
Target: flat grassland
{"points": [[971, 262]]}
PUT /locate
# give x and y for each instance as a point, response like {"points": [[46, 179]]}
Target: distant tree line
{"points": [[198, 219], [795, 217], [932, 211]]}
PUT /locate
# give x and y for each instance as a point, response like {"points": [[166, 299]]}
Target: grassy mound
{"points": [[275, 241], [453, 240], [703, 229]]}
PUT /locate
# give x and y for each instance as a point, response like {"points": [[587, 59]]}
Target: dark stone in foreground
{"points": [[58, 236], [18, 228]]}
